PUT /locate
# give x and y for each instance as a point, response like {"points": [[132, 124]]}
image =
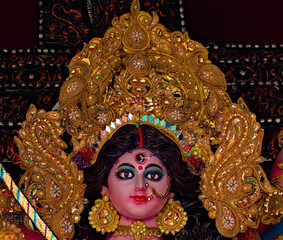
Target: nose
{"points": [[140, 183]]}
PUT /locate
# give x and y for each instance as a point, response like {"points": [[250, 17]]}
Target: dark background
{"points": [[244, 39], [219, 21]]}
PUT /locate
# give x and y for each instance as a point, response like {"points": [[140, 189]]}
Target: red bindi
{"points": [[140, 167]]}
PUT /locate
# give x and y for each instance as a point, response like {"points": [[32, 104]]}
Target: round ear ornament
{"points": [[103, 217]]}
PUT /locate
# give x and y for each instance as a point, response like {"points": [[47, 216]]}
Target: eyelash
{"points": [[118, 174], [121, 171], [160, 175]]}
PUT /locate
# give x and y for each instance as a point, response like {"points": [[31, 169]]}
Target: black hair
{"points": [[184, 184]]}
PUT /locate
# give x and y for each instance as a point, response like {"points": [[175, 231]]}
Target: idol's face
{"points": [[130, 182]]}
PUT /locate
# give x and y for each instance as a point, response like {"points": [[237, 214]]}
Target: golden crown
{"points": [[140, 73]]}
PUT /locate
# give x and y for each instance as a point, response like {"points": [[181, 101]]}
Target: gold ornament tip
{"points": [[135, 7]]}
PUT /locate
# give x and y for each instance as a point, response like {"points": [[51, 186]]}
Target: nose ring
{"points": [[166, 193]]}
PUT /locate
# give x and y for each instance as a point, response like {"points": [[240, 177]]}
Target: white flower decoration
{"points": [[207, 74], [73, 115], [138, 63], [72, 87], [136, 36], [67, 226], [228, 221], [102, 118], [232, 185], [54, 190], [176, 115]]}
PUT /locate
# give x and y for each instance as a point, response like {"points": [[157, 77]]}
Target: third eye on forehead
{"points": [[140, 158], [148, 166]]}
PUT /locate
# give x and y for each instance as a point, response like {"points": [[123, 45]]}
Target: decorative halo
{"points": [[140, 73]]}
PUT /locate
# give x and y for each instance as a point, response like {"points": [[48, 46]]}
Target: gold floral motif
{"points": [[138, 230], [10, 231]]}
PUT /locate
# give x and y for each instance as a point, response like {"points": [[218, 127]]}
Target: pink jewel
{"points": [[140, 167], [124, 118], [187, 148]]}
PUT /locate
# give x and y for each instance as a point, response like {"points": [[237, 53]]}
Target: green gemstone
{"points": [[235, 202], [231, 185], [67, 226], [168, 124], [27, 160], [156, 121], [51, 210], [178, 133], [162, 123], [150, 117], [253, 182], [228, 221], [40, 185], [31, 197], [144, 118], [34, 185], [250, 179], [55, 190]]}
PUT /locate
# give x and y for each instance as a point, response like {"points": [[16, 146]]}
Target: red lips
{"points": [[139, 198]]}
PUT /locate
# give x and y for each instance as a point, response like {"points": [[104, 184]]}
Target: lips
{"points": [[139, 198]]}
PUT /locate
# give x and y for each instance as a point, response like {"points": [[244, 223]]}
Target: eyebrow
{"points": [[126, 164], [153, 165]]}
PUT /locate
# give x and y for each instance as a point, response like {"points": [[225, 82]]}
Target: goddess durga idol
{"points": [[146, 144]]}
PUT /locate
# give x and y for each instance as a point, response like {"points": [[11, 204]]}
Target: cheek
{"points": [[161, 186], [118, 189]]}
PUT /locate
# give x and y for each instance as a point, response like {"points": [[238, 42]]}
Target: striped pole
{"points": [[28, 208]]}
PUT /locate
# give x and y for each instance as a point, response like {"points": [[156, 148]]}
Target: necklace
{"points": [[138, 230]]}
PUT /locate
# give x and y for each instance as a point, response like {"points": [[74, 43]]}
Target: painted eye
{"points": [[125, 174], [154, 176]]}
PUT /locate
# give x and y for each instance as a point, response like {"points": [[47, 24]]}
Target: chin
{"points": [[140, 212], [140, 215]]}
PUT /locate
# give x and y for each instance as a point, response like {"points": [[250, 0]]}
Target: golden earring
{"points": [[172, 218], [103, 216], [166, 193]]}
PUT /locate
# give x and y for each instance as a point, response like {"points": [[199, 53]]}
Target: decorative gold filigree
{"points": [[103, 216], [272, 208], [141, 72], [10, 231], [138, 230], [51, 181], [172, 218]]}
